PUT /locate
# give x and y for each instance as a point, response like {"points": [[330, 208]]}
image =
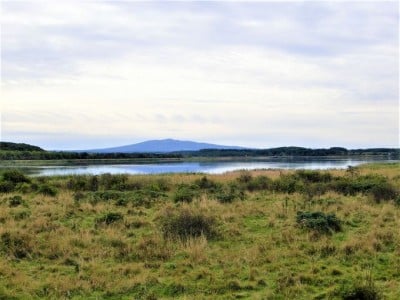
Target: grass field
{"points": [[243, 235]]}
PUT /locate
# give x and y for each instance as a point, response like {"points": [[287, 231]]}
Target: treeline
{"points": [[14, 151], [292, 151], [58, 155], [7, 146]]}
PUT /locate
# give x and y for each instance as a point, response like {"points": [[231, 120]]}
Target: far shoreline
{"points": [[121, 161]]}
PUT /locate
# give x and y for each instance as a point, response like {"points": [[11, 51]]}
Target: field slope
{"points": [[248, 235]]}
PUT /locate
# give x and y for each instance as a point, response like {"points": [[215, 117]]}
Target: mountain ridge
{"points": [[162, 146]]}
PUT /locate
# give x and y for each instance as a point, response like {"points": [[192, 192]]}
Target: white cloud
{"points": [[223, 72]]}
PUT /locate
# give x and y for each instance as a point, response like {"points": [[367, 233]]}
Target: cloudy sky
{"points": [[86, 74]]}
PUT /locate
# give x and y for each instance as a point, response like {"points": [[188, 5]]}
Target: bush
{"points": [[185, 193], [109, 218], [259, 183], [366, 291], [383, 191], [47, 190], [15, 176], [318, 221], [360, 184], [313, 176], [206, 184], [77, 183], [16, 244], [114, 182], [245, 177], [288, 184], [230, 193], [23, 187], [6, 187], [314, 189], [15, 201], [186, 223]]}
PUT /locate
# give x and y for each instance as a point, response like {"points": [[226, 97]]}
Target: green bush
{"points": [[259, 183], [47, 190], [288, 184], [362, 292], [185, 193], [79, 196], [15, 176], [207, 184], [24, 187], [114, 182], [109, 218], [311, 190], [318, 221], [313, 176], [360, 184], [185, 223], [6, 187], [15, 201], [77, 183], [383, 191], [230, 193]]}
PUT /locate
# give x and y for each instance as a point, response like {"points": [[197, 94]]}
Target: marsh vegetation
{"points": [[256, 235]]}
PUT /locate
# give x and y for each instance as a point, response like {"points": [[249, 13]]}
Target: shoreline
{"points": [[112, 161]]}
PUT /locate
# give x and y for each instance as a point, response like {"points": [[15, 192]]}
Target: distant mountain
{"points": [[162, 146]]}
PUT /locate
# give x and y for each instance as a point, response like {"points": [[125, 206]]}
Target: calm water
{"points": [[215, 167]]}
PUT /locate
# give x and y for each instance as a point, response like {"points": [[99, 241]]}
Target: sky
{"points": [[92, 74]]}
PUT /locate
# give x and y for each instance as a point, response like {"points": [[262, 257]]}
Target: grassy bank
{"points": [[255, 235]]}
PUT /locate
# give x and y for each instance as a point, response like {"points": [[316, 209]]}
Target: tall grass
{"points": [[255, 235]]}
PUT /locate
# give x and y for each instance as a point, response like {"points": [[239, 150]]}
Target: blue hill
{"points": [[162, 146]]}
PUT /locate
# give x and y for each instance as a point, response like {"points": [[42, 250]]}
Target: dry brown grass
{"points": [[259, 252]]}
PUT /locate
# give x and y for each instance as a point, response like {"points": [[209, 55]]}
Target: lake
{"points": [[210, 167]]}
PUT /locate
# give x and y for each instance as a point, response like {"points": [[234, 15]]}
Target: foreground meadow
{"points": [[257, 235]]}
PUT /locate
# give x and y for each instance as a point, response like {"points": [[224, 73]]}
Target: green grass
{"points": [[127, 237]]}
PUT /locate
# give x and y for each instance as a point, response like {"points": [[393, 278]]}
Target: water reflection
{"points": [[214, 167]]}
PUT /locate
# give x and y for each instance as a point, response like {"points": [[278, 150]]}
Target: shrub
{"points": [[362, 292], [259, 183], [288, 184], [47, 190], [24, 187], [79, 196], [161, 185], [109, 218], [245, 177], [313, 176], [206, 184], [6, 187], [324, 223], [360, 184], [16, 244], [93, 183], [185, 223], [77, 183], [15, 176], [114, 182], [107, 195], [15, 201], [314, 189], [185, 193], [230, 193], [383, 191]]}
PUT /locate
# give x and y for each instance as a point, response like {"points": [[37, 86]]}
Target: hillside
{"points": [[8, 146]]}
